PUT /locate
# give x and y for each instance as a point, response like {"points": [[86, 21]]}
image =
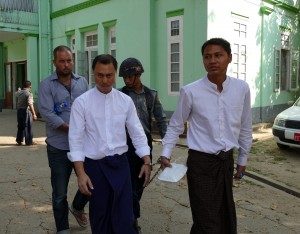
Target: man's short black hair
{"points": [[105, 59], [27, 84], [217, 41], [60, 48]]}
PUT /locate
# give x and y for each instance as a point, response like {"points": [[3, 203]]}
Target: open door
{"points": [[15, 75], [8, 87]]}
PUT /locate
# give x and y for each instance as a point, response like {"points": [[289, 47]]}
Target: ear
{"points": [[230, 58]]}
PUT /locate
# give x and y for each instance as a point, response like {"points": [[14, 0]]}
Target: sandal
{"points": [[80, 216]]}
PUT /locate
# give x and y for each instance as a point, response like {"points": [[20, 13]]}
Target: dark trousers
{"points": [[210, 180], [24, 118], [110, 207], [61, 169], [136, 163]]}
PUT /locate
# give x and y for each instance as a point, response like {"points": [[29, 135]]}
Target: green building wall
{"points": [[2, 87], [141, 31]]}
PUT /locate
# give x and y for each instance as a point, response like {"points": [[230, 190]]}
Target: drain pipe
{"points": [[261, 69], [49, 38], [40, 42]]}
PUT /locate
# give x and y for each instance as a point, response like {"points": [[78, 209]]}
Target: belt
{"points": [[221, 155], [108, 157]]}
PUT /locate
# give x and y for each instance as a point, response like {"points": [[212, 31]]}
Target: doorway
{"points": [[15, 75]]}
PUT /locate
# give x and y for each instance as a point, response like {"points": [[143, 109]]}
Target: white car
{"points": [[286, 127]]}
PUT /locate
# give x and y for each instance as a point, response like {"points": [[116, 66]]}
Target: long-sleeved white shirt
{"points": [[218, 121], [97, 126]]}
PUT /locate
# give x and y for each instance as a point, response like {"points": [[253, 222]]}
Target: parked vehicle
{"points": [[286, 127]]}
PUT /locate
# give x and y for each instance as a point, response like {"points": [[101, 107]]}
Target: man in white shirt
{"points": [[218, 109], [97, 137]]}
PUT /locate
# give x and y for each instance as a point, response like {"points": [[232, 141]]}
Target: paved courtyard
{"points": [[25, 194]]}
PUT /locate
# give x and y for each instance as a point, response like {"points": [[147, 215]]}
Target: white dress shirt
{"points": [[97, 126], [218, 121]]}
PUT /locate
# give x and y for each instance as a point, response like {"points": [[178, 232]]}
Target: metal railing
{"points": [[23, 12]]}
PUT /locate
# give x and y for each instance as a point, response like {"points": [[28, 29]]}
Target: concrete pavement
{"points": [[25, 193]]}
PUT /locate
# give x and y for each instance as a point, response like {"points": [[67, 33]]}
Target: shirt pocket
{"points": [[235, 114], [118, 123]]}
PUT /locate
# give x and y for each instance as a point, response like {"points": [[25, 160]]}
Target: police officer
{"points": [[147, 105]]}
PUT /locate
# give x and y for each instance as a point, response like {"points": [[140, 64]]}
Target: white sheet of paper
{"points": [[173, 174]]}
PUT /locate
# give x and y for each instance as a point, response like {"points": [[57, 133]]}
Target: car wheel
{"points": [[281, 146]]}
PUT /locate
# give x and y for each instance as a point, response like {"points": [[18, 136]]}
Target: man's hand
{"points": [[164, 162], [84, 184], [240, 172], [64, 127], [146, 170]]}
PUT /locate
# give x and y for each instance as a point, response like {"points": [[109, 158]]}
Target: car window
{"points": [[297, 103]]}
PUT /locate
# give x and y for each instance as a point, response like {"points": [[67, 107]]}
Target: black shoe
{"points": [[19, 143], [33, 143]]}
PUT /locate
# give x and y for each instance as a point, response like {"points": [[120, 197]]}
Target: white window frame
{"points": [[178, 39], [112, 46], [277, 69], [72, 43], [292, 66], [294, 72], [285, 39], [278, 81], [72, 47], [89, 54], [239, 66], [284, 83], [80, 63]]}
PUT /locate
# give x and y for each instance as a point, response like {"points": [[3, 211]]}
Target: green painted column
{"points": [[32, 62], [1, 71]]}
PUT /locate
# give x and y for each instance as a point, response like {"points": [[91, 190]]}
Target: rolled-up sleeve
{"points": [[30, 99], [46, 105], [245, 137], [176, 124]]}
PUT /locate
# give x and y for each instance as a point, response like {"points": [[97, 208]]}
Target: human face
{"points": [[63, 63], [105, 77], [132, 81], [216, 60]]}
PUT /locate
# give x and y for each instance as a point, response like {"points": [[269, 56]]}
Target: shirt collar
{"points": [[214, 86], [103, 94], [73, 76], [133, 91]]}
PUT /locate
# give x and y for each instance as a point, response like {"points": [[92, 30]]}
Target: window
{"points": [[72, 47], [277, 70], [24, 5], [286, 66], [175, 54], [112, 41], [91, 40], [294, 71], [239, 49], [284, 71], [285, 40], [90, 52], [72, 43], [110, 37]]}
